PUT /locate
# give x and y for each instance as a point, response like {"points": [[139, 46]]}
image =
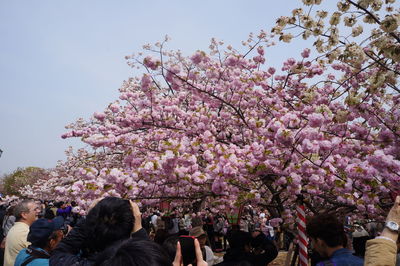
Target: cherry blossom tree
{"points": [[11, 184], [225, 126]]}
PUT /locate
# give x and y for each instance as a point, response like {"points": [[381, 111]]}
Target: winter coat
{"points": [[380, 252], [70, 250], [265, 253]]}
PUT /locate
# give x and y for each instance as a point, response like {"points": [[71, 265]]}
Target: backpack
{"points": [[34, 254]]}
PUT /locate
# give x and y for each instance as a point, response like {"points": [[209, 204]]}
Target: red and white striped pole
{"points": [[303, 240]]}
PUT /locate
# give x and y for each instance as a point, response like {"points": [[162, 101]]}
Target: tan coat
{"points": [[380, 252], [16, 241]]}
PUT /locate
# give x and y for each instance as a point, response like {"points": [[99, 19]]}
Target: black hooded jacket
{"points": [[72, 251], [264, 251]]}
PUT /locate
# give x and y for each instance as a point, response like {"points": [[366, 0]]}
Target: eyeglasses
{"points": [[32, 210]]}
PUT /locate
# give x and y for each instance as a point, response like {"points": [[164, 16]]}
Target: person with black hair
{"points": [[160, 235], [329, 240], [74, 218], [44, 235], [8, 220], [209, 227], [134, 252], [48, 213], [3, 215], [169, 246], [173, 228], [54, 207], [360, 237], [64, 210], [3, 212], [218, 232], [109, 221], [261, 245], [242, 252]]}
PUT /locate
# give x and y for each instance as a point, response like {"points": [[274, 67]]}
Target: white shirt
{"points": [[209, 255], [154, 220]]}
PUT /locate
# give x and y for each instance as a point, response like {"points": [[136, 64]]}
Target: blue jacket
{"points": [[23, 256], [342, 257]]}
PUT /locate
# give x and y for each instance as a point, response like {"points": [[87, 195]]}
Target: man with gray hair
{"points": [[26, 212]]}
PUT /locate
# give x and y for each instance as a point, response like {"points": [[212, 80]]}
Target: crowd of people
{"points": [[116, 231], [161, 224]]}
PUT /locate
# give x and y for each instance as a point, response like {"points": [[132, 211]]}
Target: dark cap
{"points": [[238, 239], [41, 229]]}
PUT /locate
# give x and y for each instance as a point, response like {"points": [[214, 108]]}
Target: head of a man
{"points": [[239, 240], [110, 220], [26, 211], [46, 234], [134, 252], [62, 205], [326, 234], [169, 245], [256, 232]]}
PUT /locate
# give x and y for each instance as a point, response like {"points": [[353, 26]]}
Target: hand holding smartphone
{"points": [[188, 252]]}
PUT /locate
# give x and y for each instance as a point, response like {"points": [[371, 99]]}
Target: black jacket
{"points": [[264, 252], [70, 251]]}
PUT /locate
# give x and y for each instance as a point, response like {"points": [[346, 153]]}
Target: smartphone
{"points": [[188, 250]]}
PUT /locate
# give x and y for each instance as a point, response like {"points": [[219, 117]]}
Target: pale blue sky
{"points": [[61, 60]]}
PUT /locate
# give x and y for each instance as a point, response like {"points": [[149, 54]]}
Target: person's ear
{"points": [[52, 244], [321, 242], [24, 215]]}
